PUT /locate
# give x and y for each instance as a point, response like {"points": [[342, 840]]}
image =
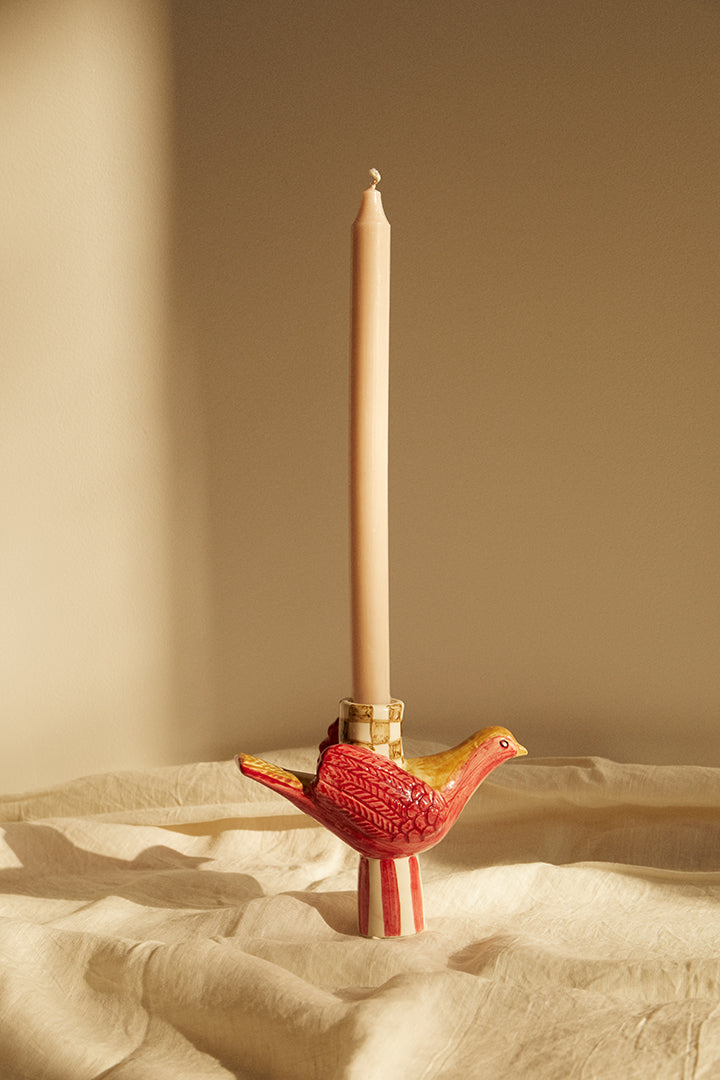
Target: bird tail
{"points": [[272, 776]]}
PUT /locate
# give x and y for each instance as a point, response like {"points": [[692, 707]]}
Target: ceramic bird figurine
{"points": [[379, 808]]}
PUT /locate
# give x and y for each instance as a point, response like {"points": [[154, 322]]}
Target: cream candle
{"points": [[369, 382]]}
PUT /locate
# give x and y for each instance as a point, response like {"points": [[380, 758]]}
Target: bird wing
{"points": [[375, 794]]}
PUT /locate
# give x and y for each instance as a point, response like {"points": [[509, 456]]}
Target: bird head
{"points": [[496, 740], [475, 757]]}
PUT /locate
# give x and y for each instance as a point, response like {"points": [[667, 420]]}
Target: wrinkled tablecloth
{"points": [[187, 924]]}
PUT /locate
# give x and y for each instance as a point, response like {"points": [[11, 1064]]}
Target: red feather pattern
{"points": [[375, 794]]}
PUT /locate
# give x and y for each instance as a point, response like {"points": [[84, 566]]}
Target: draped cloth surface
{"points": [[186, 924]]}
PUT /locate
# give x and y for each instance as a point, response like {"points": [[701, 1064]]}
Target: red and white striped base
{"points": [[390, 898]]}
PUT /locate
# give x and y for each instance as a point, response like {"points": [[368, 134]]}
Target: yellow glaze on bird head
{"points": [[438, 769]]}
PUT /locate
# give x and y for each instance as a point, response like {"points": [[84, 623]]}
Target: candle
{"points": [[369, 383]]}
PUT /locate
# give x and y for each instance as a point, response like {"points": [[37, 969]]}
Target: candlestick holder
{"points": [[387, 807]]}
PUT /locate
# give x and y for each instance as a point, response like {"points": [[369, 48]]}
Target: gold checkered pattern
{"points": [[377, 727]]}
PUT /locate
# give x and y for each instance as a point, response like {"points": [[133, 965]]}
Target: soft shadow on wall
{"points": [[554, 390], [256, 387]]}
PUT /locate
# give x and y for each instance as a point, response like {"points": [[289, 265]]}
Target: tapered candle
{"points": [[369, 450]]}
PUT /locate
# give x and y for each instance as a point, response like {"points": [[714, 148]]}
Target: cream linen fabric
{"points": [[186, 924]]}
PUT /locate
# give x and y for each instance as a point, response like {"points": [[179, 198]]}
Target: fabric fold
{"points": [[186, 923]]}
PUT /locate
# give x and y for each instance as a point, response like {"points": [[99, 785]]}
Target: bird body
{"points": [[379, 808]]}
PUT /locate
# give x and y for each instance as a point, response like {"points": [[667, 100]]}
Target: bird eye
{"points": [[504, 743]]}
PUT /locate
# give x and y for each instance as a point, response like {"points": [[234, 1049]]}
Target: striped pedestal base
{"points": [[390, 899]]}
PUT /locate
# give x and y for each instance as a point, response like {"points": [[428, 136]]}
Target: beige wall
{"points": [[177, 192]]}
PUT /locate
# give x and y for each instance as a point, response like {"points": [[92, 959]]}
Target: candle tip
{"points": [[375, 177]]}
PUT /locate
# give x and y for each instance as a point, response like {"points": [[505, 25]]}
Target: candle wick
{"points": [[376, 178]]}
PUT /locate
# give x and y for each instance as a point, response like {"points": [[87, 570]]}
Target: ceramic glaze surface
{"points": [[390, 899], [379, 808]]}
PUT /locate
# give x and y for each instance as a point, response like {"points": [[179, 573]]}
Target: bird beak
{"points": [[521, 751]]}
